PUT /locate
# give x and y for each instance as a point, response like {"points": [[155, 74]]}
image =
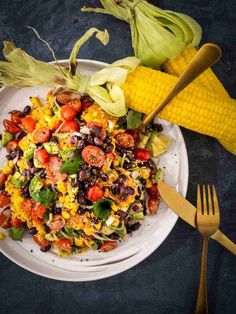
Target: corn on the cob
{"points": [[194, 108], [207, 80]]}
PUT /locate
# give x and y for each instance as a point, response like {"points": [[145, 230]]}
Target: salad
{"points": [[76, 177]]}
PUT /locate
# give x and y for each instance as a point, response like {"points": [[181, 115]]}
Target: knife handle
{"points": [[225, 241]]}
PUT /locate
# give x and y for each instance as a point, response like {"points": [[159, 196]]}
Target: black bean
{"points": [[19, 152], [104, 177], [122, 214], [129, 190], [87, 184], [45, 248], [81, 211], [81, 144], [74, 182], [89, 139], [96, 131], [86, 166], [26, 110], [94, 220], [158, 127], [143, 181], [33, 230], [151, 164], [114, 236], [95, 172], [30, 163], [135, 226], [127, 165], [130, 156], [97, 141], [108, 140], [8, 157], [84, 136], [13, 154], [93, 180], [123, 197], [82, 175], [122, 178], [20, 135], [81, 193], [115, 189], [0, 136], [43, 175], [109, 148], [81, 200], [46, 228]]}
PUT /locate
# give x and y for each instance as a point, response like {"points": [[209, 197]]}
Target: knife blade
{"points": [[186, 211]]}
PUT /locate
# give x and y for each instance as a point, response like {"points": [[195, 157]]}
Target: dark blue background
{"points": [[167, 281]]}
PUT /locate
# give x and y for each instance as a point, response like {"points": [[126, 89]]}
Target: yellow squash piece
{"points": [[194, 108]]}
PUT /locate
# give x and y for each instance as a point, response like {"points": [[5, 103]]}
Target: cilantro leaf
{"points": [[134, 119], [102, 208], [44, 196], [72, 165]]}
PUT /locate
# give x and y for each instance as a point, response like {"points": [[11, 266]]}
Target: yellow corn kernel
{"points": [[35, 101], [194, 108], [148, 183], [2, 236], [116, 163], [106, 193], [145, 173], [79, 241], [65, 214], [61, 186], [114, 207], [6, 170]]}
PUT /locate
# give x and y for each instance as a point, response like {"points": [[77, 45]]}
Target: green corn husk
{"points": [[22, 70], [157, 35]]}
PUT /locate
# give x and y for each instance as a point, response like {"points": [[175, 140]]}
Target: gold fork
{"points": [[207, 221]]}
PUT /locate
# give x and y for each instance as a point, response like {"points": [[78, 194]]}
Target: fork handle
{"points": [[201, 307]]}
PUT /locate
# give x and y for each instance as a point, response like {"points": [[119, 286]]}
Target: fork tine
{"points": [[215, 202], [199, 201], [209, 200], [204, 211]]}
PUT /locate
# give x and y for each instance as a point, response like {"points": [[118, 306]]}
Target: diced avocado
{"points": [[143, 140], [138, 216], [16, 233], [121, 230], [107, 230], [6, 137], [35, 184], [158, 143], [29, 153], [159, 176], [51, 148], [65, 153], [18, 180]]}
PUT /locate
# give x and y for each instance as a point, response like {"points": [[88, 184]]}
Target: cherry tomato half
{"points": [[12, 146], [63, 98], [27, 206], [3, 178], [68, 112], [53, 170], [29, 124], [94, 193], [37, 213], [153, 205], [4, 199], [69, 126], [11, 127], [16, 116], [142, 154], [41, 135], [124, 140], [64, 244], [17, 223], [42, 243], [5, 218], [42, 156], [76, 104], [93, 156], [57, 223], [108, 246]]}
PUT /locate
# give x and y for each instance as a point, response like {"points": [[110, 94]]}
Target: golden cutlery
{"points": [[187, 212], [207, 220]]}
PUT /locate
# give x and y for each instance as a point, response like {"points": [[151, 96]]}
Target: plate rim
{"points": [[141, 255]]}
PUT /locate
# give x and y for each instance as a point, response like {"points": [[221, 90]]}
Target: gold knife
{"points": [[187, 212]]}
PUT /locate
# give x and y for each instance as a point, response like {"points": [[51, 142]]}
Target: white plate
{"points": [[94, 265]]}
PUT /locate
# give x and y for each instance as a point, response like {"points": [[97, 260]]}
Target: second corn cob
{"points": [[194, 108], [207, 80]]}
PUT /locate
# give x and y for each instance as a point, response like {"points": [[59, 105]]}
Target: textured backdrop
{"points": [[167, 281]]}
